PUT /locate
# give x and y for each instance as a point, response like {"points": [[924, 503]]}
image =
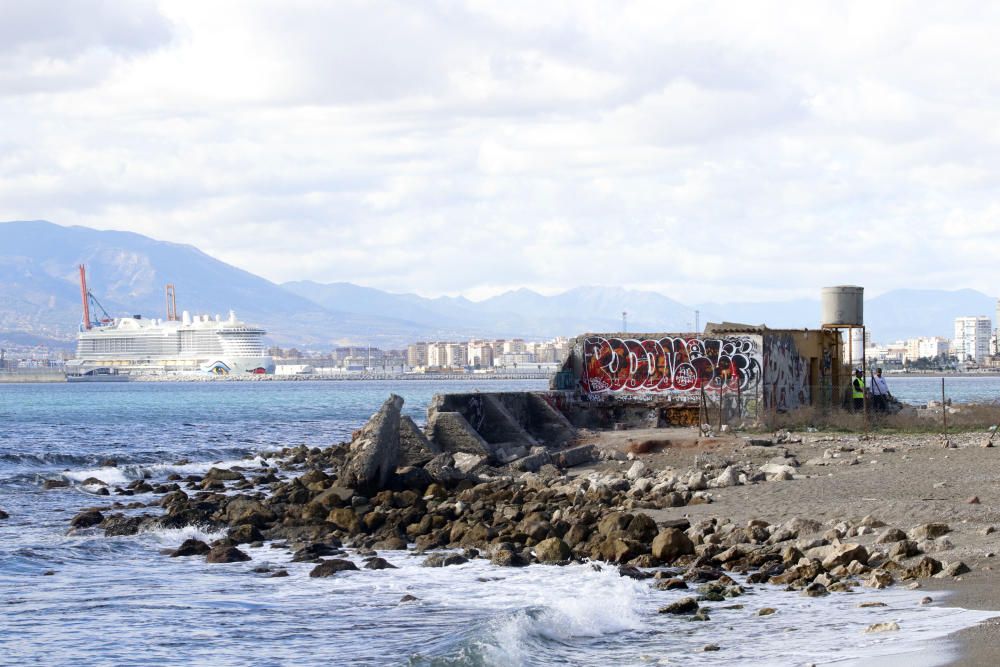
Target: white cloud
{"points": [[712, 150]]}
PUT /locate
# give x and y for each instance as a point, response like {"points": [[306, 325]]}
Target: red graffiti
{"points": [[670, 364]]}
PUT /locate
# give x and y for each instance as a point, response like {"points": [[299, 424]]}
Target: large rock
{"points": [[670, 544], [929, 531], [191, 547], [226, 554], [246, 510], [843, 554], [682, 606], [86, 519], [441, 469], [328, 568], [552, 550], [374, 452]]}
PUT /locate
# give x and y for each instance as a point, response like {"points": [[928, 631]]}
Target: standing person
{"points": [[880, 391], [858, 390]]}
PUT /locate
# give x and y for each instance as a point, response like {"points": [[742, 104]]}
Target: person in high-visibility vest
{"points": [[858, 390]]}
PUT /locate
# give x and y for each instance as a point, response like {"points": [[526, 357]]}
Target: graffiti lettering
{"points": [[671, 364]]}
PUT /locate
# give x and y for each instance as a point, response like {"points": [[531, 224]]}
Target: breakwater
{"points": [[30, 376]]}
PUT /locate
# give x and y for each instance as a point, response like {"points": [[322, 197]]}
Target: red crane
{"points": [[85, 295]]}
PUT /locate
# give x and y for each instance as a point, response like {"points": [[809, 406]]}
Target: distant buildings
{"points": [[972, 338]]}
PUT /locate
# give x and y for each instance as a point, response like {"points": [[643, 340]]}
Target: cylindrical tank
{"points": [[843, 305]]}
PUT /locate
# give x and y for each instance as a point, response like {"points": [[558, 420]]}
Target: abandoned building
{"points": [[729, 372]]}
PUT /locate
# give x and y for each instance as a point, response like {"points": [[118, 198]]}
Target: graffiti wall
{"points": [[786, 373], [681, 366]]}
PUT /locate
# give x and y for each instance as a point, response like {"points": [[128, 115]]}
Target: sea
{"points": [[85, 599]]}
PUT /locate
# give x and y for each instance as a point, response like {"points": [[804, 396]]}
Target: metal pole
{"points": [[944, 410], [864, 363], [723, 386]]}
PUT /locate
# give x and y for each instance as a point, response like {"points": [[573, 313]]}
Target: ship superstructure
{"points": [[189, 343]]}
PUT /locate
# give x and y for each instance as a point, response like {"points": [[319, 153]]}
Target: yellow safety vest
{"points": [[858, 385]]}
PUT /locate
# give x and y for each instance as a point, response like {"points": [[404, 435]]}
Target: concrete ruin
{"points": [[729, 372]]}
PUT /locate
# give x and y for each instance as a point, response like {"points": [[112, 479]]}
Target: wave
{"points": [[602, 605], [122, 475]]}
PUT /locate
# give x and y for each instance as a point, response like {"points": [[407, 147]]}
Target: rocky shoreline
{"points": [[655, 509]]}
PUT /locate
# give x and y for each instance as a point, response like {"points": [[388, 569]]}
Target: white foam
{"points": [[174, 537], [122, 475]]}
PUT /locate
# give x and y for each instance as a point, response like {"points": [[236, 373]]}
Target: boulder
{"points": [[904, 549], [328, 568], [223, 475], [444, 560], [345, 518], [682, 606], [670, 544], [890, 535], [728, 477], [245, 534], [54, 484], [953, 569], [552, 550], [815, 590], [313, 552], [843, 554], [506, 556], [379, 563], [637, 470], [244, 509], [929, 531], [191, 547], [119, 524], [925, 567], [86, 519], [3, 515], [441, 469], [374, 452], [226, 554]]}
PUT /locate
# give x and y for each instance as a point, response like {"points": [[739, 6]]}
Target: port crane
{"points": [[90, 300]]}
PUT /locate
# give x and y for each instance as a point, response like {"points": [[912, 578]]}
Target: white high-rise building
{"points": [[972, 338]]}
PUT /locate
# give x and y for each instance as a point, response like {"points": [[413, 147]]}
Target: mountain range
{"points": [[40, 299]]}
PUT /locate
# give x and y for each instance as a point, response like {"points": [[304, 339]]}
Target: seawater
{"points": [[90, 600], [968, 389]]}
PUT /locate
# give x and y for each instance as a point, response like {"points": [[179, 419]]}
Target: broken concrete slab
{"points": [[373, 454], [415, 449], [453, 433]]}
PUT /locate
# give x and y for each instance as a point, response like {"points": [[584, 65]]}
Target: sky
{"points": [[719, 151]]}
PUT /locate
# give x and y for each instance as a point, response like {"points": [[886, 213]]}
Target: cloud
{"points": [[50, 46], [710, 150]]}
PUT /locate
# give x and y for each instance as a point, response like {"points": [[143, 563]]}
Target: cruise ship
{"points": [[185, 344]]}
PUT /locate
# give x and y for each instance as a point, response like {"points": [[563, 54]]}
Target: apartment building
{"points": [[972, 338]]}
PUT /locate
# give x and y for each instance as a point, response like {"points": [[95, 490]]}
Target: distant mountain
{"points": [[895, 315], [905, 313], [40, 297], [40, 293]]}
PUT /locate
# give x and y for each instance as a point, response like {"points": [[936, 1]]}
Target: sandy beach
{"points": [[901, 480]]}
